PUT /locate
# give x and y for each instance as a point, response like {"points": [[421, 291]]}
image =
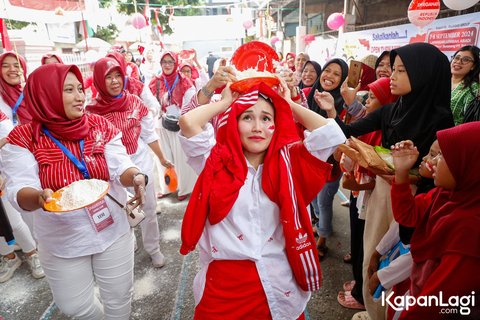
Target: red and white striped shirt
{"points": [[55, 169], [129, 122]]}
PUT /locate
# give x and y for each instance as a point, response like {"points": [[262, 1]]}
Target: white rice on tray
{"points": [[81, 193]]}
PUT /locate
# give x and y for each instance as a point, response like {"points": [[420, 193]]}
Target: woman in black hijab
{"points": [[304, 83], [333, 75], [332, 70], [421, 77]]}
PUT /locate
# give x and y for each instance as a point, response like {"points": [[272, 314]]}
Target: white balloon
{"points": [[459, 4]]}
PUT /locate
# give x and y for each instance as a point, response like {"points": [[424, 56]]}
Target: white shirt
{"points": [[70, 234], [254, 219]]}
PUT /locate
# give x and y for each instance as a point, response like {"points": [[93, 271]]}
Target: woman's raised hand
{"points": [[325, 101], [228, 96], [222, 76], [349, 94], [404, 154], [284, 90]]}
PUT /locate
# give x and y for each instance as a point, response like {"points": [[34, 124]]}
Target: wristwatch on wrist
{"points": [[143, 174], [206, 93]]}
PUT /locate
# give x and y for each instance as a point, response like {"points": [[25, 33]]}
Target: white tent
{"points": [[93, 43]]}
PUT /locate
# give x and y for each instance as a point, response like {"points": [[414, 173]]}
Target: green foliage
{"points": [[109, 33], [127, 7], [14, 24]]}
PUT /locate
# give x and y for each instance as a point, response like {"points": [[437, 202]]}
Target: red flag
{"points": [[7, 45], [146, 12], [159, 26]]}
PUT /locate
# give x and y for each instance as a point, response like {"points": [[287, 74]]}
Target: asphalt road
{"points": [[166, 293]]}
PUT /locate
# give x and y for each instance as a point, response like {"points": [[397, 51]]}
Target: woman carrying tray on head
{"points": [[80, 248], [130, 115], [248, 208]]}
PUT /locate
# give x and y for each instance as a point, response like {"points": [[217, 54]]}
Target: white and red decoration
{"points": [[423, 12]]}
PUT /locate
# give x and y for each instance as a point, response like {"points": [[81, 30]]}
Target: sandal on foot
{"points": [[347, 258], [346, 300], [348, 286], [362, 315], [322, 251]]}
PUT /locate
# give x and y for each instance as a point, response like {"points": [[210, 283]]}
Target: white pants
{"points": [[21, 231], [72, 281], [173, 151]]}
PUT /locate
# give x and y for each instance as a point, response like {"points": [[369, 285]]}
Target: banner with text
{"points": [[448, 34]]}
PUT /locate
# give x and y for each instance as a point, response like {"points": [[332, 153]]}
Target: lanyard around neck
{"points": [[80, 164], [170, 90], [15, 108]]}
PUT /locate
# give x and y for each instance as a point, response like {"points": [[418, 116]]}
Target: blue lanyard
{"points": [[170, 90], [125, 81], [80, 164], [15, 108]]}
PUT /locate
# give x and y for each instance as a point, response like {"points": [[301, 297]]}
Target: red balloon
{"points": [[138, 21], [309, 38], [423, 12]]}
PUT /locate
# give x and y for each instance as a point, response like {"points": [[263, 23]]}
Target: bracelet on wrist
{"points": [[144, 175], [206, 93], [296, 97]]}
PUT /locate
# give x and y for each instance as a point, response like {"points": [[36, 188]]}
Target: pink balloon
{"points": [[274, 40], [138, 21], [247, 24], [335, 20]]}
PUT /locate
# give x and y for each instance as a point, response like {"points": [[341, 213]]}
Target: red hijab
{"points": [[50, 55], [44, 100], [368, 76], [106, 103], [11, 93], [381, 90], [195, 73], [286, 182], [451, 224], [290, 54], [183, 84], [133, 86]]}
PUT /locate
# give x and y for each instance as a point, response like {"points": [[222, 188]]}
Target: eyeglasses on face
{"points": [[462, 60], [167, 62]]}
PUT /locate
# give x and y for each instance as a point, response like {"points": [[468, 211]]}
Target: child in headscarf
{"points": [[445, 242], [248, 209]]}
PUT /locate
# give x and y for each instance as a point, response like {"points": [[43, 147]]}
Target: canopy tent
{"points": [[47, 11], [95, 43]]}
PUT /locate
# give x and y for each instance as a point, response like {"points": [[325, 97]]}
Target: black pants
{"points": [[356, 244]]}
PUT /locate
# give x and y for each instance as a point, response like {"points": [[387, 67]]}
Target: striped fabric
{"points": [[128, 122], [55, 169]]}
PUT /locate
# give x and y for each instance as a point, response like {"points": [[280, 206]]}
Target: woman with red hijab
{"points": [[130, 115], [85, 247], [14, 70], [50, 58], [173, 92], [248, 209], [135, 86], [445, 244]]}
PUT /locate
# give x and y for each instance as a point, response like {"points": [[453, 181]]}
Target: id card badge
{"points": [[99, 215], [173, 110]]}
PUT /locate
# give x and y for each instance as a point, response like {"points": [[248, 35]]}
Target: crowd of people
{"points": [[260, 170]]}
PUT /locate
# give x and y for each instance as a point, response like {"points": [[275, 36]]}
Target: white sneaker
{"points": [[158, 259], [34, 263], [8, 267]]}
